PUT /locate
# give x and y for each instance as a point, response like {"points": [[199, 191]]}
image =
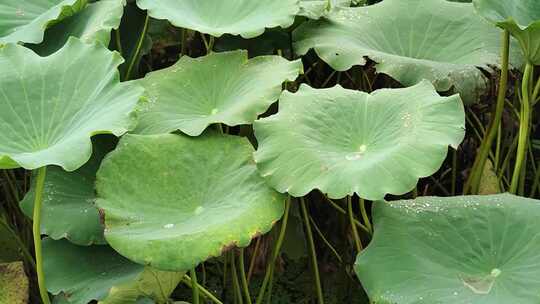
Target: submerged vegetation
{"points": [[264, 151]]}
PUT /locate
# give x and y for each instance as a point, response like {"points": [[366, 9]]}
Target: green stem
{"points": [[195, 291], [253, 257], [325, 241], [236, 284], [275, 252], [137, 49], [20, 243], [205, 292], [365, 215], [356, 238], [523, 128], [341, 210], [242, 269], [473, 182], [38, 199], [536, 91], [313, 253], [454, 172]]}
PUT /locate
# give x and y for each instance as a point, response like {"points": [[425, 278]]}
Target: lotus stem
{"points": [[194, 285], [236, 283], [252, 261], [38, 199], [523, 128], [137, 49], [356, 238], [275, 252], [365, 215], [536, 91], [205, 292], [313, 253], [245, 284], [341, 210], [473, 182]]}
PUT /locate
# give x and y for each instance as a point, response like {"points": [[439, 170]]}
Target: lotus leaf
{"points": [[218, 88], [93, 23], [315, 9], [190, 199], [26, 20], [85, 273], [151, 284], [456, 250], [68, 209], [344, 142], [410, 40], [247, 18], [520, 17], [51, 106], [13, 283]]}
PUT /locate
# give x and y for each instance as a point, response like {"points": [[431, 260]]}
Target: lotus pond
{"points": [[269, 151]]}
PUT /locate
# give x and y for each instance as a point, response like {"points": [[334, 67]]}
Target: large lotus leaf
{"points": [[68, 209], [51, 106], [410, 40], [315, 9], [218, 88], [247, 18], [190, 199], [26, 20], [13, 284], [93, 23], [456, 250], [343, 141], [520, 17], [85, 273]]}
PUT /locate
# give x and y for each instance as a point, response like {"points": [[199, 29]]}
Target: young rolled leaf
{"points": [[68, 209], [224, 88], [13, 283], [520, 17], [172, 201], [51, 106], [247, 18], [26, 20], [344, 142], [409, 40], [85, 273], [93, 23], [468, 249]]}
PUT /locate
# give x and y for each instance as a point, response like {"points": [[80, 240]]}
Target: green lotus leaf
{"points": [[520, 17], [192, 198], [51, 106], [93, 23], [247, 18], [85, 273], [68, 209], [343, 141], [151, 284], [13, 284], [443, 42], [315, 9], [224, 88], [26, 20], [456, 250]]}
